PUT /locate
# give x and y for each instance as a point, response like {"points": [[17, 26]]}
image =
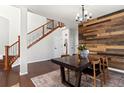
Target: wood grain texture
{"points": [[105, 34]]}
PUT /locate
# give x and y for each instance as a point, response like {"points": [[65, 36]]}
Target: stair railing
{"points": [[12, 53], [39, 33]]}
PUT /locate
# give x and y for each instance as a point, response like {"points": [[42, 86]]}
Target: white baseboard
{"points": [[14, 65], [21, 74], [117, 70]]}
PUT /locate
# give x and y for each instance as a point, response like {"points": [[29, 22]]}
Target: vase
{"points": [[84, 53]]}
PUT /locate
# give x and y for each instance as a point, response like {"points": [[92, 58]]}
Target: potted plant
{"points": [[84, 52]]}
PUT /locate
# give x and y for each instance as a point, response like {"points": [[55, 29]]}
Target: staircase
{"points": [[41, 32], [12, 53]]}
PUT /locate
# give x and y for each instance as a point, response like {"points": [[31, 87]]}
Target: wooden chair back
{"points": [[96, 62]]}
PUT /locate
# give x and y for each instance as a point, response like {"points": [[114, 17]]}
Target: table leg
{"points": [[78, 78], [63, 79], [62, 74]]}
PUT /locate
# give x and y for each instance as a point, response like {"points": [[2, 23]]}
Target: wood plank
{"points": [[105, 35], [111, 33], [112, 41], [103, 19], [116, 64]]}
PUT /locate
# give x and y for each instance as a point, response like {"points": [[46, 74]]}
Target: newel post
{"points": [[6, 61], [18, 46]]}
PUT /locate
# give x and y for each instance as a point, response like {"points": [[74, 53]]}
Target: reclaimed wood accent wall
{"points": [[105, 35]]}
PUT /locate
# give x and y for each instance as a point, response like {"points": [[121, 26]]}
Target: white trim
{"points": [[117, 70], [14, 65], [21, 74]]}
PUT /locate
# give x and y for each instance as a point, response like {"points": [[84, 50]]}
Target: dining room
{"points": [[98, 60]]}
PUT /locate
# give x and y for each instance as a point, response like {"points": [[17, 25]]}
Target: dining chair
{"points": [[94, 71], [104, 67]]}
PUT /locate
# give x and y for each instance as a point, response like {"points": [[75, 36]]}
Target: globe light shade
{"points": [[80, 19]]}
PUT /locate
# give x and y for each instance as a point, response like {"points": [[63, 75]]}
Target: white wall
{"points": [[13, 15], [52, 46], [23, 44], [34, 21], [44, 50], [76, 41], [49, 47], [65, 36], [4, 34], [73, 41]]}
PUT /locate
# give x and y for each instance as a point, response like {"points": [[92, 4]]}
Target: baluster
{"points": [[38, 33], [53, 25], [33, 37], [59, 24], [30, 39], [15, 49], [12, 50], [9, 51], [43, 30]]}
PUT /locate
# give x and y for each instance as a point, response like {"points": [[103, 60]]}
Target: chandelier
{"points": [[83, 16]]}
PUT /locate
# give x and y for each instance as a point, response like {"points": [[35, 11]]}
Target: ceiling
{"points": [[67, 13]]}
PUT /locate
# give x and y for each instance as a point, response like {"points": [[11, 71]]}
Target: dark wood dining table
{"points": [[74, 63]]}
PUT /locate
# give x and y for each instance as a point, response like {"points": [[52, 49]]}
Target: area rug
{"points": [[16, 85], [53, 79]]}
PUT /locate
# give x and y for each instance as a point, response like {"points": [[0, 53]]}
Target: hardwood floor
{"points": [[36, 69], [8, 79], [12, 77]]}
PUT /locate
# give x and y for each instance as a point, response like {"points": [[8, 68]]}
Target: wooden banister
{"points": [[41, 38], [10, 59], [45, 29], [13, 44], [39, 27]]}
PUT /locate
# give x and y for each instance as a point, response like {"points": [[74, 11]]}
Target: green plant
{"points": [[82, 47]]}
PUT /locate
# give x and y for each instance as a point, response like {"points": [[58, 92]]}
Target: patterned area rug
{"points": [[53, 79], [16, 85]]}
